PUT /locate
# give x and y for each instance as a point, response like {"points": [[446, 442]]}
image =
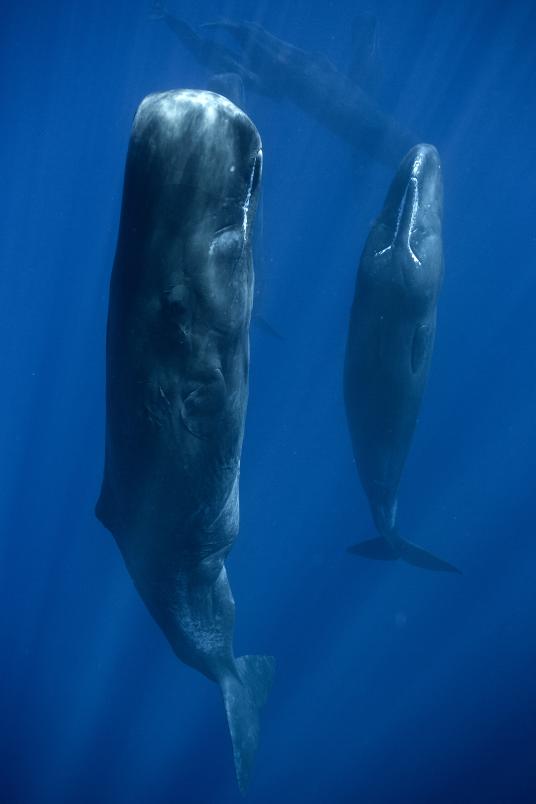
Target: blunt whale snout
{"points": [[411, 217], [421, 169], [222, 146], [419, 178]]}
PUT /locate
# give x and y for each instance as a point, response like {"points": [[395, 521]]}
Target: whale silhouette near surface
{"points": [[343, 102]]}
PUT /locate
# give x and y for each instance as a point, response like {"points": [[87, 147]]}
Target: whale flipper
{"points": [[266, 327], [365, 67], [381, 550], [243, 698]]}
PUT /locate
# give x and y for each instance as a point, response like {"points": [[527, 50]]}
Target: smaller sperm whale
{"points": [[390, 344]]}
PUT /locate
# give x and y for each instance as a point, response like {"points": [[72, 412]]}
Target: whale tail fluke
{"points": [[419, 557], [378, 549], [243, 696], [381, 550]]}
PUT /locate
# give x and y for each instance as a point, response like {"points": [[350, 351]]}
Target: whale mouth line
{"points": [[404, 231]]}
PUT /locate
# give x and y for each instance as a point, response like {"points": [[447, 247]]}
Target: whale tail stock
{"points": [[382, 549], [243, 696]]}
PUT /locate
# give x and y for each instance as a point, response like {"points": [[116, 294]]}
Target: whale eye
{"points": [[175, 304], [228, 243], [420, 347]]}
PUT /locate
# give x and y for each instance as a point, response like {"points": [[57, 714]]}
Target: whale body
{"points": [[390, 344], [177, 382]]}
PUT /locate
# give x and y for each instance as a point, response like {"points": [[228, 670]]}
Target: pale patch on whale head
{"points": [[173, 105]]}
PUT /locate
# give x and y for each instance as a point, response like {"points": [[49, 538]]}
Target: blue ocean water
{"points": [[393, 684]]}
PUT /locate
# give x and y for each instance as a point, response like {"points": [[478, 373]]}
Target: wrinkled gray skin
{"points": [[390, 343], [177, 380]]}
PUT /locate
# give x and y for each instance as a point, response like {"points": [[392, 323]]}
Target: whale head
{"points": [[405, 246], [181, 297]]}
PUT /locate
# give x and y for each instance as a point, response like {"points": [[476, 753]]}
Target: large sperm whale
{"points": [[177, 382], [390, 343]]}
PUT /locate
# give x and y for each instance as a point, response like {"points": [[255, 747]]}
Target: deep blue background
{"points": [[393, 685]]}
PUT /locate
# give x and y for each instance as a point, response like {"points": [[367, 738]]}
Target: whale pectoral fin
{"points": [[266, 327], [365, 64], [420, 347], [378, 549], [243, 696]]}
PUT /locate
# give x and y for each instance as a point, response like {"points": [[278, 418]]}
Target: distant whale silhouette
{"points": [[390, 343], [278, 69], [230, 85], [177, 382]]}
